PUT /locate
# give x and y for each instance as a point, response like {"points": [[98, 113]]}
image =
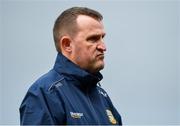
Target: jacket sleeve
{"points": [[40, 108]]}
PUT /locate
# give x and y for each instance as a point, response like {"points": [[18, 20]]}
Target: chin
{"points": [[96, 67], [100, 67]]}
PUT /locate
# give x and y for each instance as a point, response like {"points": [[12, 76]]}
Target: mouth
{"points": [[100, 56]]}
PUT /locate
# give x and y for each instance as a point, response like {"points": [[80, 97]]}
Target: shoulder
{"points": [[46, 81], [38, 104]]}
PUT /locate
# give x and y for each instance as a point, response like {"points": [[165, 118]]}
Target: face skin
{"points": [[86, 48]]}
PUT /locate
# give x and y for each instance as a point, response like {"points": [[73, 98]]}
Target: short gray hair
{"points": [[66, 22]]}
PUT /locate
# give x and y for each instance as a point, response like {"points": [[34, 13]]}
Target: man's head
{"points": [[78, 34]]}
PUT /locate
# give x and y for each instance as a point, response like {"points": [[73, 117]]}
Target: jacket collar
{"points": [[66, 67]]}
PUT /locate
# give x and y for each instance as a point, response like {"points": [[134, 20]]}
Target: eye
{"points": [[94, 38], [103, 36]]}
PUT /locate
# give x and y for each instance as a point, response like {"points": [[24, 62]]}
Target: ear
{"points": [[66, 44]]}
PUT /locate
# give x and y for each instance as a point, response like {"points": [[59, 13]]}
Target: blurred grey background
{"points": [[142, 73]]}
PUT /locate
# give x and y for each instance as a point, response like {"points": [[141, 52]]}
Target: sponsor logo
{"points": [[111, 117], [76, 115]]}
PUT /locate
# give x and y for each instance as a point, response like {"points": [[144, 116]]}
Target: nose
{"points": [[101, 47]]}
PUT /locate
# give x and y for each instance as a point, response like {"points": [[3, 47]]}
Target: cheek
{"points": [[89, 53], [86, 55], [85, 52], [80, 53]]}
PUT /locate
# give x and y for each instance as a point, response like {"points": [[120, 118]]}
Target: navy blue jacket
{"points": [[68, 95]]}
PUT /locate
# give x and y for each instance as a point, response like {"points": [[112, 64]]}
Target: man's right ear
{"points": [[66, 44]]}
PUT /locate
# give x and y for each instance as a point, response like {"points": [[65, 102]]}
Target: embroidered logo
{"points": [[111, 117], [76, 115]]}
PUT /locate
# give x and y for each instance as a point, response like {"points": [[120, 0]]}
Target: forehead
{"points": [[87, 24]]}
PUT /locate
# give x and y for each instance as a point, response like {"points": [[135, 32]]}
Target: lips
{"points": [[101, 56]]}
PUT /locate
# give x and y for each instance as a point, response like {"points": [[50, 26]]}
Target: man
{"points": [[69, 93]]}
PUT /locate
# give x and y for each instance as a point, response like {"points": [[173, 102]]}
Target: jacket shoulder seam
{"points": [[56, 83]]}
